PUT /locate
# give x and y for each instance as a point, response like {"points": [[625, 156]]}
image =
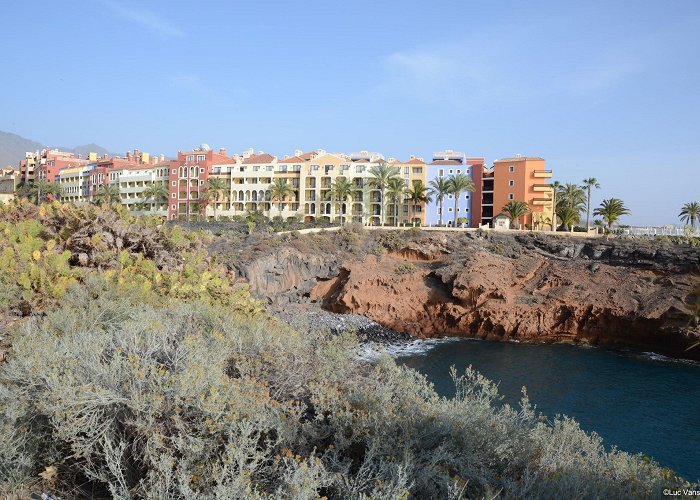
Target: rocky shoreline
{"points": [[368, 331], [530, 288]]}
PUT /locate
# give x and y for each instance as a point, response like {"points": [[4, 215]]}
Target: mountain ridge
{"points": [[13, 148]]}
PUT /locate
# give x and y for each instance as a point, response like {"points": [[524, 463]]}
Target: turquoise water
{"points": [[640, 403]]}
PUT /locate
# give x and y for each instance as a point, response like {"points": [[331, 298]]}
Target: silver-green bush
{"points": [[187, 400]]}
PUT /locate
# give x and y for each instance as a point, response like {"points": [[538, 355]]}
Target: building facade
{"points": [[524, 179]]}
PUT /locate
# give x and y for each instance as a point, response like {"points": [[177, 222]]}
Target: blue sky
{"points": [[604, 89]]}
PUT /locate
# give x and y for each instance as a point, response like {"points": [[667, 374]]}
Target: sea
{"points": [[639, 402]]}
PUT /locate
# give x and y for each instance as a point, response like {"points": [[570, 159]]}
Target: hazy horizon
{"points": [[598, 90]]}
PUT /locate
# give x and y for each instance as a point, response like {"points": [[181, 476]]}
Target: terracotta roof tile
{"points": [[415, 161], [263, 158], [293, 159]]}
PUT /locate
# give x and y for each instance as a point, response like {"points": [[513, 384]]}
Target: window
{"points": [[450, 171], [359, 169], [466, 196], [314, 167], [190, 158], [173, 183], [441, 172], [173, 172], [459, 170], [201, 183], [511, 183], [511, 196], [449, 196], [256, 168], [201, 170], [201, 158], [172, 195], [511, 169], [449, 209], [173, 207], [406, 170], [417, 170]]}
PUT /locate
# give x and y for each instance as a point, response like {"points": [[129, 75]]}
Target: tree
{"points": [[588, 185], [611, 210], [279, 190], [108, 194], [572, 197], [39, 191], [439, 188], [155, 193], [340, 190], [556, 186], [515, 210], [381, 174], [418, 194], [568, 216], [395, 192], [690, 213], [459, 183], [215, 187]]}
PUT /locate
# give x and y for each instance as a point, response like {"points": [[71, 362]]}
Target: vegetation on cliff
{"points": [[141, 369]]}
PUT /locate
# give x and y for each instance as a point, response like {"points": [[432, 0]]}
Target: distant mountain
{"points": [[13, 148], [88, 148]]}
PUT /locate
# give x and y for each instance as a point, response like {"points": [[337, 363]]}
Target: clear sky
{"points": [[606, 89]]}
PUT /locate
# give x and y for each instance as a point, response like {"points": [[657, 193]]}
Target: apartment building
{"points": [[523, 178], [413, 171], [9, 179], [187, 177], [51, 161], [445, 164]]}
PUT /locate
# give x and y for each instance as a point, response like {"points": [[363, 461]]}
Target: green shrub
{"points": [[406, 268], [184, 399]]}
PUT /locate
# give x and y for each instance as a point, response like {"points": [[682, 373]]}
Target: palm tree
{"points": [[515, 210], [418, 193], [381, 174], [155, 193], [215, 187], [439, 188], [108, 194], [340, 190], [395, 192], [39, 191], [690, 213], [459, 183], [611, 210], [279, 190], [568, 216], [588, 185], [572, 197], [556, 186]]}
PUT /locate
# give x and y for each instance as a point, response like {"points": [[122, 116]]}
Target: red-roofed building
{"points": [[187, 177]]}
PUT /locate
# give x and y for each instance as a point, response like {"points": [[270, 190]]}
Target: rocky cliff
{"points": [[626, 293]]}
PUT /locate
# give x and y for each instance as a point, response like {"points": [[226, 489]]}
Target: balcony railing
{"points": [[541, 188], [542, 174]]}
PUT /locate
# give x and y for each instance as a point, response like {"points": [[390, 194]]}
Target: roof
{"points": [[307, 156], [262, 158], [415, 161], [520, 158], [293, 159], [446, 162]]}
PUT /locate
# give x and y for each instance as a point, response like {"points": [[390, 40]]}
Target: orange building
{"points": [[524, 179]]}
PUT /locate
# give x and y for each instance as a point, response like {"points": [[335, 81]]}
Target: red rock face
{"points": [[530, 298]]}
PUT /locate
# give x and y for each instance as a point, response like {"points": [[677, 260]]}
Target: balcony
{"points": [[541, 201], [542, 174], [542, 188]]}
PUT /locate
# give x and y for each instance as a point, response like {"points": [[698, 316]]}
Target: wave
{"points": [[418, 347]]}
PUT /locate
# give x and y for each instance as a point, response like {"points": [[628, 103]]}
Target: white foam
{"points": [[418, 347]]}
